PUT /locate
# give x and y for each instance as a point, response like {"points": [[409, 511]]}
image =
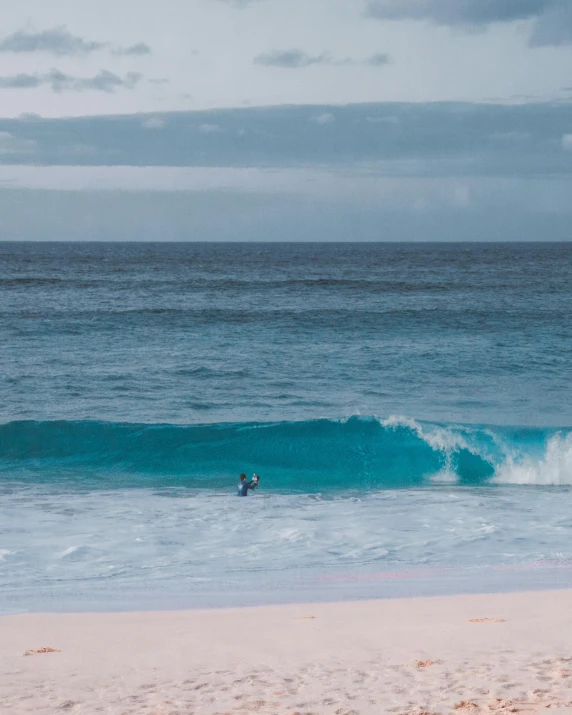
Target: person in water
{"points": [[244, 486]]}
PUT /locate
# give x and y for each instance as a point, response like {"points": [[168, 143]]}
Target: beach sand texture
{"points": [[462, 654]]}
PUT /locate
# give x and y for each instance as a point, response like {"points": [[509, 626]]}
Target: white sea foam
{"points": [[512, 465], [554, 467], [441, 439], [200, 542], [444, 476], [68, 552]]}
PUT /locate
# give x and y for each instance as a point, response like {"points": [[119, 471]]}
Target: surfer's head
{"points": [[243, 477]]}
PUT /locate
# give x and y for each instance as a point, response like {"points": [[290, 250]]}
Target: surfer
{"points": [[244, 486]]}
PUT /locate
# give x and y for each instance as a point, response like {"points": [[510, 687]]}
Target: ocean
{"points": [[408, 407]]}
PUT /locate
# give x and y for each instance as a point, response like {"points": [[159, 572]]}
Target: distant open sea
{"points": [[408, 407]]}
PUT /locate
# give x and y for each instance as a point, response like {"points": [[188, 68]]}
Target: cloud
{"points": [[21, 81], [325, 118], [154, 123], [378, 60], [10, 145], [61, 42], [57, 41], [456, 12], [552, 18], [401, 139], [554, 27], [291, 59], [30, 117], [104, 81], [209, 128], [139, 49], [567, 142], [383, 120], [58, 81]]}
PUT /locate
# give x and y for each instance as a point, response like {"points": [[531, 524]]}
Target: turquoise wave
{"points": [[317, 456]]}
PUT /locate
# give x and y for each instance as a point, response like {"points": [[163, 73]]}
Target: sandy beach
{"points": [[465, 654]]}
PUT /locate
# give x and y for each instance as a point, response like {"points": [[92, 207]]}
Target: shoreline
{"points": [[402, 656], [295, 589]]}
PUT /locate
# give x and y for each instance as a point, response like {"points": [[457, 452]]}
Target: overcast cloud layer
{"points": [[551, 19], [286, 119], [437, 139]]}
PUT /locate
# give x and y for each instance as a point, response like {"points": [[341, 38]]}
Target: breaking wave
{"points": [[316, 456]]}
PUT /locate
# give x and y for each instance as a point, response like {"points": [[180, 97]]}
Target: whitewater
{"points": [[408, 409]]}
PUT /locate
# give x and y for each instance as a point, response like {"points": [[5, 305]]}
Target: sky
{"points": [[286, 120]]}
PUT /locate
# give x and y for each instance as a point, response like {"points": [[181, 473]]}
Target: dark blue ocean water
{"points": [[193, 333], [406, 405]]}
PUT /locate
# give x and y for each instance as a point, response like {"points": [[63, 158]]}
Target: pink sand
{"points": [[394, 656]]}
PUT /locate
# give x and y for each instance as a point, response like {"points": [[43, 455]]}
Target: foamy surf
{"points": [[175, 547], [554, 467]]}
